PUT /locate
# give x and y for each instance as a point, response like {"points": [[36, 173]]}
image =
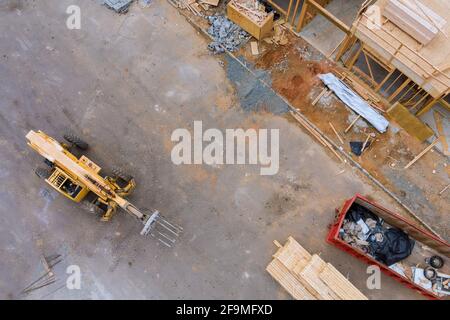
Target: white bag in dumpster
{"points": [[355, 102]]}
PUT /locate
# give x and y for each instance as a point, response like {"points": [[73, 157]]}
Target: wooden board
{"points": [[214, 3], [409, 122], [409, 21], [288, 281], [259, 31], [339, 284], [419, 63], [308, 277]]}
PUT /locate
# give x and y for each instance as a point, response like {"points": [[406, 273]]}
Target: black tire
{"points": [[119, 173], [75, 140], [48, 163], [436, 262], [91, 208], [430, 273], [43, 173]]}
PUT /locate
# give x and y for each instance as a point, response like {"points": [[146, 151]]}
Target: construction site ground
{"points": [[291, 70], [124, 83]]}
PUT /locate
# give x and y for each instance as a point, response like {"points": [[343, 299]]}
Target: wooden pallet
{"points": [[308, 277]]}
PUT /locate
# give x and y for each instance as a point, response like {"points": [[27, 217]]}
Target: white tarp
{"points": [[354, 101]]}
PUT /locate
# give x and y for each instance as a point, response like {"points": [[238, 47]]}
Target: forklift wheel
{"points": [[74, 139], [92, 208], [119, 173], [43, 173]]}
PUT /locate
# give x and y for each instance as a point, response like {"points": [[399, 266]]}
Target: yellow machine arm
{"points": [[54, 152]]}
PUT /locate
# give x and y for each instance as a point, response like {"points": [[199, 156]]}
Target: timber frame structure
{"points": [[383, 61]]}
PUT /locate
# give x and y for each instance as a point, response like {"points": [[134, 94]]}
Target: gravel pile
{"points": [[226, 34]]}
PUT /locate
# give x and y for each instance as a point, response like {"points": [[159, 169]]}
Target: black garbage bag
{"points": [[395, 245], [357, 212]]}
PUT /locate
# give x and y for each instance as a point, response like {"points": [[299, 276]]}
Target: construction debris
{"points": [[119, 6], [47, 278], [213, 3], [366, 231], [252, 9], [226, 34], [357, 147], [308, 277], [355, 102], [251, 16], [443, 190], [254, 47]]}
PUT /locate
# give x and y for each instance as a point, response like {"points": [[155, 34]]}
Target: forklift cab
{"points": [[69, 187]]}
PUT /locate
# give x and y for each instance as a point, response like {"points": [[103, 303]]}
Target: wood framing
{"points": [[315, 6]]}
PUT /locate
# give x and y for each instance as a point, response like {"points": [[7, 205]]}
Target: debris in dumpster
{"points": [[366, 231], [397, 246], [391, 246], [419, 278], [226, 35], [435, 261], [119, 6], [430, 273], [252, 8]]}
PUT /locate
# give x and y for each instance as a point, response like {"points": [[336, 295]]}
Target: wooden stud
{"points": [[368, 65], [384, 80], [351, 124], [399, 89], [420, 155], [336, 133], [325, 90], [329, 16], [301, 20], [443, 190], [427, 107]]}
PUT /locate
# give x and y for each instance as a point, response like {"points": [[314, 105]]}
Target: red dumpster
{"points": [[421, 236]]}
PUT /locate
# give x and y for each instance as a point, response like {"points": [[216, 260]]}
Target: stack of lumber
{"points": [[308, 277], [416, 19]]}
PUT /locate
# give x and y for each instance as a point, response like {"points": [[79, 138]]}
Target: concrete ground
{"points": [[125, 83]]}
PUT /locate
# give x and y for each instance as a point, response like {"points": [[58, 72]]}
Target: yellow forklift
{"points": [[79, 180]]}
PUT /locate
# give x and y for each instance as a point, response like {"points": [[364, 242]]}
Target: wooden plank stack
{"points": [[419, 21], [308, 277]]}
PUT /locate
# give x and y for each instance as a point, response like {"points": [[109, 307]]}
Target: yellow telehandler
{"points": [[80, 181]]}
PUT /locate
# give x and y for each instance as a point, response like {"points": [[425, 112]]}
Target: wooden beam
{"points": [[420, 155], [336, 133], [338, 23], [427, 107], [347, 44], [399, 89], [353, 122], [352, 59], [301, 20]]}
